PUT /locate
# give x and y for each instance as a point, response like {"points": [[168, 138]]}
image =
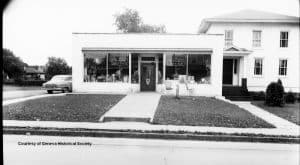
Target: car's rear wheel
{"points": [[50, 91]]}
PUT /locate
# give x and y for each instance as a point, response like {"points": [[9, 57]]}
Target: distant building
{"points": [[34, 73]]}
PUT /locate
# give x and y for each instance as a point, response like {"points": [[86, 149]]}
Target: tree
{"points": [[12, 66], [130, 22], [56, 66], [145, 28]]}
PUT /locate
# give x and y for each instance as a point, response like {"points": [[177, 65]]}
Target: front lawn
{"points": [[290, 112], [204, 111], [81, 108]]}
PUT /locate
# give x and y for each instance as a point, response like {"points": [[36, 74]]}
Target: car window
{"points": [[61, 78], [68, 78]]}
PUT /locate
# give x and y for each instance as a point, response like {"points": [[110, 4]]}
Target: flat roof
{"points": [[180, 34], [147, 41]]}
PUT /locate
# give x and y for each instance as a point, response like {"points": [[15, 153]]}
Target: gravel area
{"points": [[205, 111]]}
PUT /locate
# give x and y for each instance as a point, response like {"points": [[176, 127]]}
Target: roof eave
{"points": [[204, 26], [252, 20]]}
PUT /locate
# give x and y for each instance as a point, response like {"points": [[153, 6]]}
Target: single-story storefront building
{"points": [[126, 63]]}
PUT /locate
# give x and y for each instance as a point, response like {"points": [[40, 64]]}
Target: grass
{"points": [[74, 108], [290, 112], [204, 111]]}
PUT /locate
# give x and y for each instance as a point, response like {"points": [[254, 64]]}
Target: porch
{"points": [[234, 77]]}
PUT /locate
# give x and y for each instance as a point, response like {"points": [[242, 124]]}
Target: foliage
{"points": [[145, 28], [56, 66], [258, 95], [30, 82], [12, 66], [130, 22], [290, 98], [275, 94]]}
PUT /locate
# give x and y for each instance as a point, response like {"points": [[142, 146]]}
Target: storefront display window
{"points": [[188, 68], [102, 67]]}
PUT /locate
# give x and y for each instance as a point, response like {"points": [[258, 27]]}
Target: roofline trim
{"points": [[252, 20], [90, 33], [149, 50]]}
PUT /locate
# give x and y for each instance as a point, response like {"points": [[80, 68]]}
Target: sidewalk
{"points": [[278, 122], [141, 126], [134, 107]]}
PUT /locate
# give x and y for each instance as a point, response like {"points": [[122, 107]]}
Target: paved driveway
{"points": [[14, 92], [8, 95]]}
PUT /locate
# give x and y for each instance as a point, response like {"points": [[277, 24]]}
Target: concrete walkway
{"points": [[278, 122], [134, 107]]}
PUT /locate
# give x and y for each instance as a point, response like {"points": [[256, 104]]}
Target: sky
{"points": [[37, 29]]}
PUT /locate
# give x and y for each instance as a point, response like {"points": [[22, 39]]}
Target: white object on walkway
{"points": [[136, 105]]}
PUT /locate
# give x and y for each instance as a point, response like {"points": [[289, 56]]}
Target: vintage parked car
{"points": [[59, 83]]}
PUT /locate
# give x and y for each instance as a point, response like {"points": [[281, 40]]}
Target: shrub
{"points": [[290, 98], [275, 94], [30, 82]]}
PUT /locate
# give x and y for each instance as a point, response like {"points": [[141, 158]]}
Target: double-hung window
{"points": [[256, 42], [258, 66], [228, 38], [282, 67], [284, 38]]}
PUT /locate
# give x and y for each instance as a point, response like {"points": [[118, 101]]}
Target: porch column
{"points": [[129, 58], [243, 62], [164, 67]]}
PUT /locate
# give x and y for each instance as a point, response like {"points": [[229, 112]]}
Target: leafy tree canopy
{"points": [[12, 66], [56, 66], [130, 22]]}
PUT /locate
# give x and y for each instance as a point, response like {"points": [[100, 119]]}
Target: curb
{"points": [[150, 135]]}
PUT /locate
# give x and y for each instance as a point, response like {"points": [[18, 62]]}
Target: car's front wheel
{"points": [[50, 91], [65, 90]]}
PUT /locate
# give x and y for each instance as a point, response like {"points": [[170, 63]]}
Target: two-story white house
{"points": [[248, 46], [259, 46]]}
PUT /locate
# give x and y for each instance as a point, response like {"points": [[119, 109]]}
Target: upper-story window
{"points": [[282, 67], [256, 42], [228, 38], [284, 38]]}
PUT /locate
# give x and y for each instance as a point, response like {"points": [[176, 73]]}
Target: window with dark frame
{"points": [[258, 66], [106, 67], [194, 67], [284, 38], [282, 67]]}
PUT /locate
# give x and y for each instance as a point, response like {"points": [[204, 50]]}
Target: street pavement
{"points": [[89, 150]]}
